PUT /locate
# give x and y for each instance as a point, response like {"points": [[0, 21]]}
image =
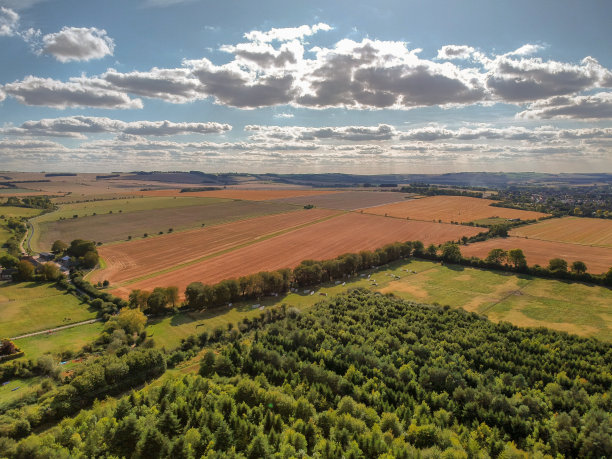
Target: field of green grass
{"points": [[7, 212], [577, 308], [17, 388], [30, 307]]}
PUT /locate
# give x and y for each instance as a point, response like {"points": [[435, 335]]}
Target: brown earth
{"points": [[248, 195], [578, 230], [118, 226], [349, 232], [348, 200], [460, 209], [144, 256], [597, 259]]}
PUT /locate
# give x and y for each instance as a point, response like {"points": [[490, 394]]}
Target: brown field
{"points": [[450, 208], [349, 232], [115, 227], [577, 230], [248, 195], [348, 200], [597, 259], [145, 256]]}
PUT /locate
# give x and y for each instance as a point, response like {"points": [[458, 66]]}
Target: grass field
{"points": [[17, 388], [70, 339], [145, 256], [29, 307], [597, 259], [118, 226], [460, 209], [7, 212], [350, 232], [577, 230], [349, 200], [582, 309]]}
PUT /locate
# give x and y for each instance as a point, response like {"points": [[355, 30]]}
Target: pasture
{"points": [[350, 232], [348, 200], [7, 212], [118, 226], [582, 309], [143, 257], [30, 306], [460, 209], [576, 230], [597, 259]]}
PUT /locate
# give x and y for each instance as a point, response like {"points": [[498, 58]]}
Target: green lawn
{"points": [[17, 388], [70, 339], [7, 212], [30, 306]]}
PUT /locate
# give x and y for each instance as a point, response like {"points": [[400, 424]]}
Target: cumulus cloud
{"points": [[77, 126], [301, 133], [524, 80], [78, 44], [9, 22], [595, 106], [273, 68], [286, 34], [78, 92], [450, 52]]}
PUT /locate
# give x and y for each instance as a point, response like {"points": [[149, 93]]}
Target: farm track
{"points": [[53, 330]]}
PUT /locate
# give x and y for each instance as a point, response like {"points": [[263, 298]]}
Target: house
{"points": [[45, 256]]}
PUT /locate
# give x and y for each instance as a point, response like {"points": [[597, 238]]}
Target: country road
{"points": [[63, 327]]}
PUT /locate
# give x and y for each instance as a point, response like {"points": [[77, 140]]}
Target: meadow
{"points": [[29, 307], [460, 209]]}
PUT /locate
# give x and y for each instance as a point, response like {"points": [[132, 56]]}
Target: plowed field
{"points": [[597, 259], [460, 209], [145, 256], [248, 195], [348, 200], [346, 233], [584, 231]]}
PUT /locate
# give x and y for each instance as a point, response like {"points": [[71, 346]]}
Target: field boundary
{"points": [[225, 251]]}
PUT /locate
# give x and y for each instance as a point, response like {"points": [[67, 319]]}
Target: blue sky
{"points": [[336, 86]]}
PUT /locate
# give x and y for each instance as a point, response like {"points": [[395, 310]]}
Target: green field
{"points": [[17, 388], [577, 308], [29, 307], [7, 212], [70, 339]]}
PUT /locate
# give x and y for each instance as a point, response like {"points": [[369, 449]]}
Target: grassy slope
{"points": [[30, 307]]}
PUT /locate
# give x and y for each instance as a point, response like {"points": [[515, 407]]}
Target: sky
{"points": [[313, 86]]}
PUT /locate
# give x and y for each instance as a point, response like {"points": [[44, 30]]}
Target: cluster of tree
{"points": [[105, 303], [33, 202], [433, 190], [155, 302], [583, 201], [200, 188], [363, 375], [17, 229], [25, 271], [83, 252], [7, 348], [106, 375]]}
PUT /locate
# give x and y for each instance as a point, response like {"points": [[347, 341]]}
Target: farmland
{"points": [[597, 259], [142, 257], [348, 200], [30, 307], [450, 208], [115, 226], [249, 195], [576, 230], [349, 232]]}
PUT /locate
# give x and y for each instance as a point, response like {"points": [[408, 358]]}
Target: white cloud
{"points": [[595, 106], [77, 126], [78, 44], [450, 52], [9, 22], [286, 34], [526, 50], [301, 133], [78, 92], [277, 115]]}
